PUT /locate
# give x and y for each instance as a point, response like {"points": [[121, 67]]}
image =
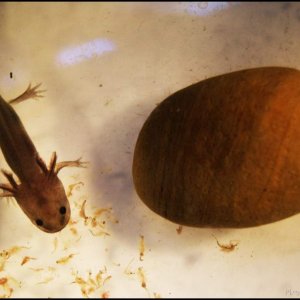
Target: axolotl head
{"points": [[45, 203]]}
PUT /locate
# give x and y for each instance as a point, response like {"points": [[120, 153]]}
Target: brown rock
{"points": [[224, 152]]}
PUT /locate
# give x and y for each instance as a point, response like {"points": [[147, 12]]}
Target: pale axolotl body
{"points": [[40, 193]]}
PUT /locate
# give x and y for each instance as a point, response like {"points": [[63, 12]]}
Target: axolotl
{"points": [[39, 192]]}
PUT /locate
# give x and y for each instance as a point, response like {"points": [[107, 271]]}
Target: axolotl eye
{"points": [[62, 210], [39, 222]]}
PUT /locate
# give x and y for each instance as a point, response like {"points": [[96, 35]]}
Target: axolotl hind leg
{"points": [[31, 92]]}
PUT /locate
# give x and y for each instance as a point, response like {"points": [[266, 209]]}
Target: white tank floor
{"points": [[105, 66]]}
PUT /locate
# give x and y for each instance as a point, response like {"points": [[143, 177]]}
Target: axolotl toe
{"points": [[40, 193]]}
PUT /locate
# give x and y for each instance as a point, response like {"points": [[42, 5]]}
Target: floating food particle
{"points": [[11, 251], [142, 278], [80, 280], [94, 222], [127, 271], [5, 286], [82, 211], [47, 280], [99, 233], [72, 187], [55, 244], [91, 284], [84, 292], [142, 248], [100, 211], [99, 278], [73, 222], [91, 280], [65, 259], [37, 269], [105, 295], [227, 247], [74, 230], [3, 280], [106, 279], [26, 259], [90, 290], [6, 254]]}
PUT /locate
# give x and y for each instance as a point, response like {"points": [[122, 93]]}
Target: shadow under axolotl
{"points": [[112, 181]]}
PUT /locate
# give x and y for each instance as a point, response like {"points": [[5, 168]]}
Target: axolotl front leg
{"points": [[40, 193]]}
